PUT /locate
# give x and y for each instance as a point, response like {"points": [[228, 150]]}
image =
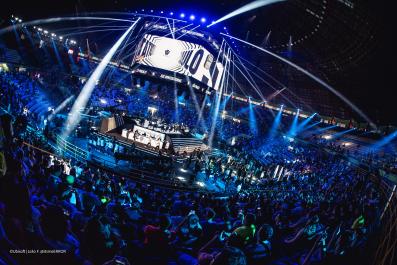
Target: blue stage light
{"points": [[192, 17], [339, 134], [302, 126], [252, 119], [182, 15], [385, 141], [276, 124], [203, 20], [171, 13], [293, 129]]}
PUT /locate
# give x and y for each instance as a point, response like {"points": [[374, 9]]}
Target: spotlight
{"points": [[203, 20], [161, 12], [224, 28], [45, 31], [192, 17], [40, 29], [152, 109], [60, 37], [182, 15], [327, 137], [103, 101], [171, 13], [201, 184], [151, 11]]}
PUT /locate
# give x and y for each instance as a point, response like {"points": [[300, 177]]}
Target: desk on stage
{"points": [[145, 136], [163, 139]]}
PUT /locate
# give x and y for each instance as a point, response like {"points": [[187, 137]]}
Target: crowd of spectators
{"points": [[320, 208]]}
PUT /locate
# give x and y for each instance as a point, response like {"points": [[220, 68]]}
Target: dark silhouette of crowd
{"points": [[320, 209]]}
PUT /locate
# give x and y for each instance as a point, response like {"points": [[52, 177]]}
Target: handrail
{"points": [[164, 184], [135, 176], [41, 150], [75, 151], [309, 255], [387, 247]]}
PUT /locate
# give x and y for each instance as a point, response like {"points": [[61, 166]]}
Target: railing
{"points": [[66, 148], [387, 245]]}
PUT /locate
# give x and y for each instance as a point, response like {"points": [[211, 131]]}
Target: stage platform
{"points": [[126, 168], [151, 137]]}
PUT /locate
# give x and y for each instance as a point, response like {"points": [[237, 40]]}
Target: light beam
{"points": [[386, 140], [81, 101], [246, 8], [315, 78]]}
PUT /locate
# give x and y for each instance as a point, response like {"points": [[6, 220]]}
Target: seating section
{"points": [[320, 210]]}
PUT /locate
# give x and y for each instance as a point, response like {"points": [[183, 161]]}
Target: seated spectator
{"points": [[259, 252], [247, 231], [58, 236], [98, 244]]}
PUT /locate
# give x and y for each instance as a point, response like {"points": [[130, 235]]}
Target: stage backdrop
{"points": [[108, 124], [180, 57]]}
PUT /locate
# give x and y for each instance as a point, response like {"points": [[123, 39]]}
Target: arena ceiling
{"points": [[345, 42]]}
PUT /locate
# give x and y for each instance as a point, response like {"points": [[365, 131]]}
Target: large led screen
{"points": [[180, 57]]}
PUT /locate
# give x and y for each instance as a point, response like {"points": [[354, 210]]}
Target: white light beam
{"points": [[312, 76], [80, 103], [248, 7]]}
